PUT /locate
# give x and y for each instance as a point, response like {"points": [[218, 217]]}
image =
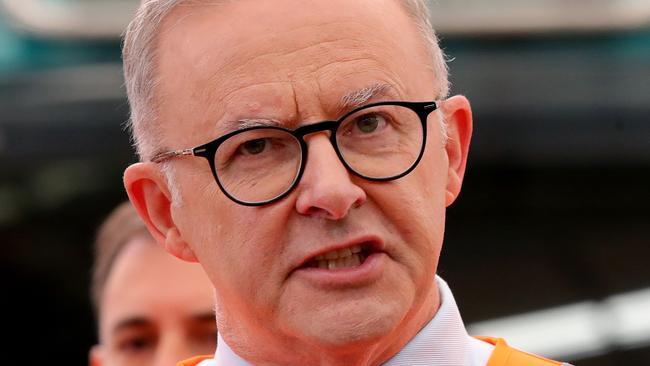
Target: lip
{"points": [[369, 271]]}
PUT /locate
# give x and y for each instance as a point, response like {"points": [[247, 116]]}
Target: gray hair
{"points": [[139, 56]]}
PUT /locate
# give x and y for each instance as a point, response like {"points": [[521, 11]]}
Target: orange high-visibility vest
{"points": [[503, 355], [194, 360]]}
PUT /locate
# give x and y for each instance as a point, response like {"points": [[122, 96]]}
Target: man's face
{"points": [[156, 309], [292, 64]]}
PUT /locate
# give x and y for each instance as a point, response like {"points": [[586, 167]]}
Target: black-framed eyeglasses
{"points": [[259, 165]]}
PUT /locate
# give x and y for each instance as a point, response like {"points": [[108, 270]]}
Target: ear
{"points": [[96, 356], [458, 115], [149, 193]]}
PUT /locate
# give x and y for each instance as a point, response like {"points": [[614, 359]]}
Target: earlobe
{"points": [[175, 245], [149, 193], [458, 116]]}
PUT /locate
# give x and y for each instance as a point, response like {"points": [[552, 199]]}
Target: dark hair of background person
{"points": [[121, 225]]}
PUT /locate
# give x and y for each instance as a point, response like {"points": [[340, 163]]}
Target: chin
{"points": [[351, 325]]}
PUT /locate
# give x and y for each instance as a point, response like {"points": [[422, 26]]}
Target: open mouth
{"points": [[348, 257]]}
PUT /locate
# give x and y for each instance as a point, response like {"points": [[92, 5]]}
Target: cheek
{"points": [[414, 208], [422, 229], [416, 203], [426, 200], [239, 247]]}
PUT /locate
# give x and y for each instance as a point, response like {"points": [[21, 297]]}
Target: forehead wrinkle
{"points": [[229, 114], [234, 66], [280, 58], [229, 92]]}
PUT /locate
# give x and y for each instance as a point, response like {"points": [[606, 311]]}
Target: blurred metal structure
{"points": [[107, 18], [72, 19], [579, 330], [493, 17]]}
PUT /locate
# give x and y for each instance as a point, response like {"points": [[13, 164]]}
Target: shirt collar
{"points": [[442, 342]]}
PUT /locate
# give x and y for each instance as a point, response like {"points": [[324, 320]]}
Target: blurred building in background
{"points": [[554, 207]]}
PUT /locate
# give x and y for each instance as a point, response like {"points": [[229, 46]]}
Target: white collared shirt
{"points": [[442, 342]]}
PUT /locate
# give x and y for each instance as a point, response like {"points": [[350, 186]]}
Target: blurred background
{"points": [[549, 244]]}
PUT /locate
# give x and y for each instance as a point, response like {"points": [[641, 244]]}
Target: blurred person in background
{"points": [[283, 147], [152, 309]]}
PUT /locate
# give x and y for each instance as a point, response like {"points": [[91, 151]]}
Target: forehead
{"points": [[149, 283], [295, 59]]}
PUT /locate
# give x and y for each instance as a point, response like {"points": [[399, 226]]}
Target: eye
{"points": [[136, 344], [205, 338], [369, 123], [252, 147]]}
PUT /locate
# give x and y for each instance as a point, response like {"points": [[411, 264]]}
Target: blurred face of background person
{"points": [[152, 308]]}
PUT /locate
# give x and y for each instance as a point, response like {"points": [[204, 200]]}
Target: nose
{"points": [[325, 189], [172, 349]]}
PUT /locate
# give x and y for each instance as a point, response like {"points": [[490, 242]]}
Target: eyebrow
{"points": [[132, 322], [357, 98], [140, 321], [234, 125], [204, 317]]}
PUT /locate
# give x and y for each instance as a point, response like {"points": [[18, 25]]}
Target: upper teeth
{"points": [[342, 258], [341, 253]]}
